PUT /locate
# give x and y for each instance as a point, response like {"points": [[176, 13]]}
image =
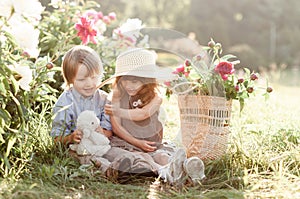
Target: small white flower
{"points": [[54, 3], [101, 26]]}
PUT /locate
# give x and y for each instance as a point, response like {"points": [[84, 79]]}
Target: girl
{"points": [[135, 117]]}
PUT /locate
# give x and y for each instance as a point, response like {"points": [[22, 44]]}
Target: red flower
{"points": [[237, 88], [187, 73], [269, 89], [253, 76], [240, 80], [187, 62], [179, 70], [225, 69], [86, 30]]}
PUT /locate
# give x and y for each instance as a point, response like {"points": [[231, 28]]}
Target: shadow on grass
{"points": [[54, 174]]}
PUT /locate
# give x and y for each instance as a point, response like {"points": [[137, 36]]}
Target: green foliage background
{"points": [[259, 32]]}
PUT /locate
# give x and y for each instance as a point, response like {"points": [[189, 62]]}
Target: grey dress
{"points": [[149, 129]]}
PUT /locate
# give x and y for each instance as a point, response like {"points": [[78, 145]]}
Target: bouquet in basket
{"points": [[211, 74]]}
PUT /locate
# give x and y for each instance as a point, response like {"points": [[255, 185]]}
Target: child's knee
{"points": [[161, 158]]}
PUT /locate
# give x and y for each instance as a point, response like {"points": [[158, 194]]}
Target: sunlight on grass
{"points": [[264, 144], [262, 161]]}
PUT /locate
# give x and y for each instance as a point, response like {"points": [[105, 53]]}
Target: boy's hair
{"points": [[77, 56], [146, 93]]}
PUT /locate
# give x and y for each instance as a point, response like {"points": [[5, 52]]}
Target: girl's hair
{"points": [[146, 93], [80, 55]]}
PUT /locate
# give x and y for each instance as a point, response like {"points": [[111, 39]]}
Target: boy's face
{"points": [[84, 83]]}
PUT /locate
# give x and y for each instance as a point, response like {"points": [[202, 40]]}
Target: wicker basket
{"points": [[204, 125]]}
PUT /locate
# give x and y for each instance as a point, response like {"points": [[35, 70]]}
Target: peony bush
{"points": [[33, 42]]}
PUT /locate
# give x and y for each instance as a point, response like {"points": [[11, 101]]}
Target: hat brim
{"points": [[160, 74]]}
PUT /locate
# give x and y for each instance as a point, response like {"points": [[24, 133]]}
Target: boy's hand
{"points": [[76, 136]]}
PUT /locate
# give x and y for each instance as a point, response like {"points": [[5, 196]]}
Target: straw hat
{"points": [[141, 63]]}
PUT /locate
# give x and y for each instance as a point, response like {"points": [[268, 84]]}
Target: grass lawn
{"points": [[263, 160]]}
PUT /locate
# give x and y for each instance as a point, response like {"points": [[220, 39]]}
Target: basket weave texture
{"points": [[204, 125]]}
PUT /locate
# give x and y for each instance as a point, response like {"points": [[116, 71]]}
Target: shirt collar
{"points": [[79, 97]]}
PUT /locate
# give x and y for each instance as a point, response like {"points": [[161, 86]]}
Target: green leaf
{"points": [[242, 104], [2, 89], [266, 95], [227, 57], [10, 144], [247, 71], [1, 137], [14, 84], [4, 114], [246, 83]]}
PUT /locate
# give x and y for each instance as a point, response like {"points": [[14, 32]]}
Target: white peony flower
{"points": [[2, 39], [30, 9], [27, 37], [51, 74], [26, 76], [6, 8], [131, 28]]}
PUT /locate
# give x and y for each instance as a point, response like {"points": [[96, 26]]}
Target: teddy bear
{"points": [[92, 142]]}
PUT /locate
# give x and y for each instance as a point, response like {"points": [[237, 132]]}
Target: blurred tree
{"points": [[260, 32], [161, 13]]}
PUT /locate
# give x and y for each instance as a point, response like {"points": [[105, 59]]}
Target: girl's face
{"points": [[84, 83], [131, 85]]}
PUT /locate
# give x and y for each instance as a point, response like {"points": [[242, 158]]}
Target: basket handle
{"points": [[173, 89]]}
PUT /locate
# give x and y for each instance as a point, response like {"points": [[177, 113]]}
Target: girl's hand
{"points": [[109, 109], [147, 146], [76, 136], [99, 129], [105, 132]]}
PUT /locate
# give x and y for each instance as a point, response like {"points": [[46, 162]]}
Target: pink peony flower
{"points": [[86, 30], [100, 15], [94, 15], [225, 69], [106, 19], [112, 16]]}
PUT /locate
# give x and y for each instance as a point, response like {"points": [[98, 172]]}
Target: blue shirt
{"points": [[70, 104]]}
